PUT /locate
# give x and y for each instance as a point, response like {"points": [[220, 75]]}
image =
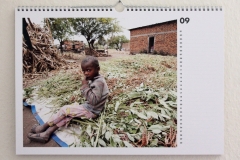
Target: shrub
{"points": [[143, 51], [161, 52], [154, 52]]}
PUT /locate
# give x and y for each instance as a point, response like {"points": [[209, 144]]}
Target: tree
{"points": [[61, 29], [95, 28], [102, 41], [117, 41]]}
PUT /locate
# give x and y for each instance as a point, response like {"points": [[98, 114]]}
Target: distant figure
{"points": [[151, 49], [106, 49]]}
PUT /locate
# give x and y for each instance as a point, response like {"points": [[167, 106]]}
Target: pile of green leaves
{"points": [[141, 110], [63, 89]]}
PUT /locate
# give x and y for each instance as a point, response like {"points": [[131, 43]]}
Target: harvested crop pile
{"points": [[142, 107], [42, 56], [95, 53]]}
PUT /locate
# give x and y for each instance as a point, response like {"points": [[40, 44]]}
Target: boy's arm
{"points": [[93, 95]]}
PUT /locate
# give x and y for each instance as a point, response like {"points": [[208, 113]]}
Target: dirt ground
{"points": [[29, 119], [114, 54]]}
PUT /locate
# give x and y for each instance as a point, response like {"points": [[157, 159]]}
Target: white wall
{"points": [[232, 74]]}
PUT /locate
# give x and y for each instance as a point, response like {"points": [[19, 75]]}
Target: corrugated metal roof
{"points": [[173, 21]]}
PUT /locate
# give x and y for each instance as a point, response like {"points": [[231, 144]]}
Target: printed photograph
{"points": [[99, 82]]}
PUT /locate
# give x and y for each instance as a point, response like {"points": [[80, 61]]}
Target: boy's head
{"points": [[90, 67]]}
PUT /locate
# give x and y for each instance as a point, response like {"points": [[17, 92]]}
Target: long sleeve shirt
{"points": [[96, 93]]}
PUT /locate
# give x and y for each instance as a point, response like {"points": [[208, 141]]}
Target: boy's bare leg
{"points": [[38, 129], [50, 130]]}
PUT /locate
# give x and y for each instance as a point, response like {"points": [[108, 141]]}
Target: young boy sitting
{"points": [[94, 89]]}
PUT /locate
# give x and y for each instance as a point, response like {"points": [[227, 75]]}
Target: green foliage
{"points": [[94, 28], [126, 117], [102, 41], [28, 92], [57, 88], [117, 41], [60, 28]]}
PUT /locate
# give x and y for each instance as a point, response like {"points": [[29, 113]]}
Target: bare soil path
{"points": [[114, 55]]}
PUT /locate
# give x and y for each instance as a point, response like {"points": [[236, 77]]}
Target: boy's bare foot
{"points": [[44, 136], [37, 128], [39, 137]]}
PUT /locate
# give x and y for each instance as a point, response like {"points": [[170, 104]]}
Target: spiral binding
{"points": [[110, 8]]}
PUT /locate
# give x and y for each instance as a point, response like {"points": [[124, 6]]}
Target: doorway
{"points": [[151, 45]]}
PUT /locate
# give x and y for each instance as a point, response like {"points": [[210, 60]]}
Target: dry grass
{"points": [[73, 56]]}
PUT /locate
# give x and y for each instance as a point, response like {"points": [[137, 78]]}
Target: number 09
{"points": [[183, 20]]}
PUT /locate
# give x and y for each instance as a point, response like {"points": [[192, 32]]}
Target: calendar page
{"points": [[96, 81]]}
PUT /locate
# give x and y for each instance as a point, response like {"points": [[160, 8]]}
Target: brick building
{"points": [[160, 38], [72, 45]]}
